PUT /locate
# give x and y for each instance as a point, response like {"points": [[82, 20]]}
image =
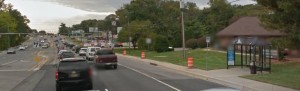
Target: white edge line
{"points": [[176, 89]]}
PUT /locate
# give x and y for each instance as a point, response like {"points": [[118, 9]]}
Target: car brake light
{"points": [[56, 75], [90, 72]]}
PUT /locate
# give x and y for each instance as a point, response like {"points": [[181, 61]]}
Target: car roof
{"points": [[94, 47], [83, 48], [72, 59]]}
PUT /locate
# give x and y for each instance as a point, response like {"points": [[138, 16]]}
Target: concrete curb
{"points": [[232, 84]]}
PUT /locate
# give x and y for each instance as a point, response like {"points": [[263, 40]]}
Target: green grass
{"points": [[215, 60], [287, 75]]}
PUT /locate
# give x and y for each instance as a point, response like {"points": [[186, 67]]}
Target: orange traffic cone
{"points": [[143, 55], [190, 62], [124, 52]]}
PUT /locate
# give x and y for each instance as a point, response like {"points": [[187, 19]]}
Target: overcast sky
{"points": [[48, 14]]}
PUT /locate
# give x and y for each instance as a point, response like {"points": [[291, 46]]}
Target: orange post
{"points": [[143, 55], [124, 52], [190, 62]]}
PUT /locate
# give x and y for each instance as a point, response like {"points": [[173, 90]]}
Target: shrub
{"points": [[201, 42], [161, 44], [192, 43]]}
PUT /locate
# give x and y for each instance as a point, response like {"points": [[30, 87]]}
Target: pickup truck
{"points": [[106, 58]]}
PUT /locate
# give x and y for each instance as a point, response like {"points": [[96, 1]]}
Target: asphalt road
{"points": [[131, 75]]}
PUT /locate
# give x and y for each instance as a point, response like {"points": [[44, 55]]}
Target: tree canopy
{"points": [[12, 21]]}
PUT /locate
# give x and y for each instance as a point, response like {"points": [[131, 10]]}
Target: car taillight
{"points": [[90, 72], [56, 75]]}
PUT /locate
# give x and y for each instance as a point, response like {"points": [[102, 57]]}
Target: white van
{"points": [[90, 53]]}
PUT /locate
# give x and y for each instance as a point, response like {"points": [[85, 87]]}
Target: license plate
{"points": [[73, 75]]}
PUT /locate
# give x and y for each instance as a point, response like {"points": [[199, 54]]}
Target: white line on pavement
{"points": [[174, 88], [9, 62], [106, 89]]}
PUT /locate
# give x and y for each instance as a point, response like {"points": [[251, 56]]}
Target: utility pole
{"points": [[182, 25]]}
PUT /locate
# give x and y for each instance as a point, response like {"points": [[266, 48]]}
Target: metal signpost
{"points": [[130, 39], [148, 42], [208, 39]]}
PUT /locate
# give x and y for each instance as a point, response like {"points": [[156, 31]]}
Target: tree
{"points": [[139, 31], [284, 16], [42, 32], [63, 29]]}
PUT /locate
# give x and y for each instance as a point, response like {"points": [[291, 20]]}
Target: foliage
{"points": [[201, 42], [283, 15], [138, 31], [191, 43], [161, 44], [12, 21]]}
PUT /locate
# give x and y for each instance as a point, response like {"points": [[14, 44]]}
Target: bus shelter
{"points": [[253, 51]]}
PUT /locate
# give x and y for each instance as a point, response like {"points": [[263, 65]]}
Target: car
{"points": [[11, 51], [90, 53], [22, 48], [73, 73], [45, 45], [106, 58], [66, 54], [118, 45], [82, 51]]}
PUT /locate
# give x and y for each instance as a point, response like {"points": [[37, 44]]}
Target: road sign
{"points": [[91, 29], [208, 39], [148, 41], [114, 23], [130, 39]]}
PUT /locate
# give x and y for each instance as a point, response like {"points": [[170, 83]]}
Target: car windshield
{"points": [[150, 45]]}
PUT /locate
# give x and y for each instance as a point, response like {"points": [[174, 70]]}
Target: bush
{"points": [[201, 42], [192, 43], [161, 44]]}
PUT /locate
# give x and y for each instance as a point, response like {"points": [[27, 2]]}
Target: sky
{"points": [[48, 14]]}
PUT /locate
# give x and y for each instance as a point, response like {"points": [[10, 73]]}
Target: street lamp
{"points": [[182, 25]]}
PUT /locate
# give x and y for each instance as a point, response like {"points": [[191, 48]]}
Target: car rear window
{"points": [[94, 49], [81, 64], [68, 54], [84, 50], [105, 52]]}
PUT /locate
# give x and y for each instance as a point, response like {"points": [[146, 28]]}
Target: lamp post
{"points": [[182, 25]]}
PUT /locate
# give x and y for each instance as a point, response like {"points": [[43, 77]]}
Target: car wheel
{"points": [[89, 87], [115, 66], [58, 88]]}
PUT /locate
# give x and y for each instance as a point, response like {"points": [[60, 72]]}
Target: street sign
{"points": [[148, 41], [114, 23], [230, 55], [130, 39], [119, 29], [91, 29], [208, 39]]}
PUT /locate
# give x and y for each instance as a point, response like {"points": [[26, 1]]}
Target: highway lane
{"points": [[133, 75], [14, 68]]}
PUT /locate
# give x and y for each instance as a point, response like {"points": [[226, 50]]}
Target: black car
{"points": [[73, 73]]}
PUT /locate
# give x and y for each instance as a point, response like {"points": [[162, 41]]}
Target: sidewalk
{"points": [[225, 77]]}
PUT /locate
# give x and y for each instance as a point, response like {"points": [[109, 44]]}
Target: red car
{"points": [[106, 58]]}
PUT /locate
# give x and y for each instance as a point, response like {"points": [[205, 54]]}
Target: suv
{"points": [[73, 73], [90, 53], [82, 51], [107, 58]]}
